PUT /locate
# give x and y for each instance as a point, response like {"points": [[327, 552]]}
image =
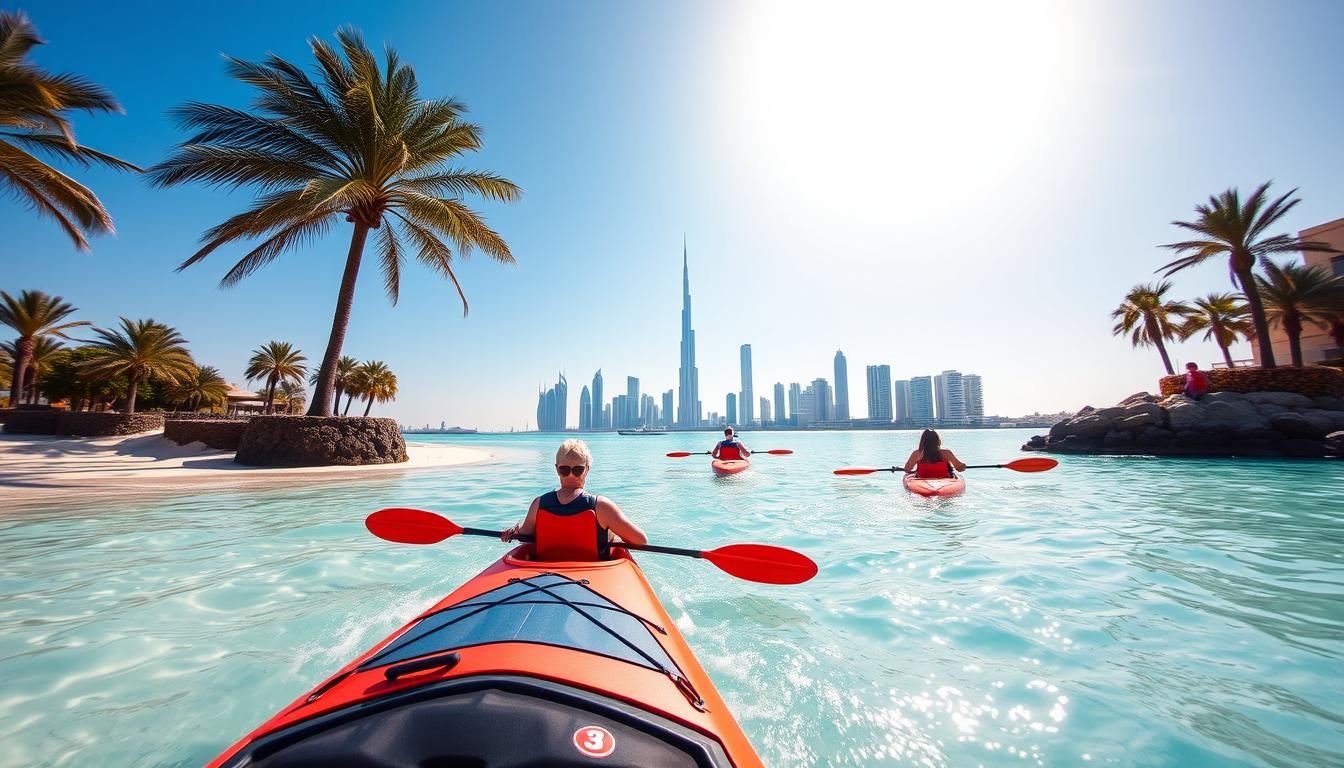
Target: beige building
{"points": [[1316, 342]]}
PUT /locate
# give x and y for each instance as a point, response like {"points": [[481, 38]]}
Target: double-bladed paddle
{"points": [[753, 562], [684, 454], [1036, 464]]}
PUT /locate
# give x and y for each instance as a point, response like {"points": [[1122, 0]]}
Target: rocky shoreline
{"points": [[1252, 424]]}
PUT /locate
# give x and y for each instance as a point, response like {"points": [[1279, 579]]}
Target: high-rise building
{"points": [[975, 398], [667, 408], [585, 409], [795, 403], [780, 415], [921, 400], [900, 400], [551, 407], [620, 412], [606, 415], [633, 402], [879, 392], [747, 398], [600, 420], [731, 411], [824, 410], [765, 411], [951, 397], [647, 409], [807, 406], [841, 412], [688, 394]]}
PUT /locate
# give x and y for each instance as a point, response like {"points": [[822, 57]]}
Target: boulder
{"points": [[1036, 443], [1328, 421], [1256, 447], [1328, 403], [1076, 444], [304, 441], [1217, 416], [1138, 398], [1088, 425], [1290, 424], [1117, 440], [1285, 399], [1154, 437], [1335, 442], [1222, 397], [1302, 448], [1140, 415], [1269, 409]]}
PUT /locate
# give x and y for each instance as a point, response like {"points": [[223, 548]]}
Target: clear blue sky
{"points": [[923, 185]]}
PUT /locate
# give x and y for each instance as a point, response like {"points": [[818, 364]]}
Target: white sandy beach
{"points": [[37, 468]]}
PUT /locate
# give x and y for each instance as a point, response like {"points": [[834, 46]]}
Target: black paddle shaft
{"points": [[626, 544]]}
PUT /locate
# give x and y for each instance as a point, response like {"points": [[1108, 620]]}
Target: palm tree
{"points": [[293, 395], [275, 362], [1238, 230], [141, 350], [356, 384], [204, 387], [378, 383], [358, 145], [6, 368], [1224, 317], [33, 314], [1149, 320], [45, 352], [1296, 294], [33, 107], [345, 368]]}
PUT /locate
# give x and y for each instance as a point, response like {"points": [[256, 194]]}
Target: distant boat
{"points": [[643, 431], [448, 431]]}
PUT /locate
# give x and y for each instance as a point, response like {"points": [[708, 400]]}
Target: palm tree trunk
{"points": [[1292, 325], [1155, 335], [339, 391], [348, 401], [326, 380], [1337, 333], [1262, 338], [1227, 354], [368, 408], [270, 394], [130, 393], [24, 347]]}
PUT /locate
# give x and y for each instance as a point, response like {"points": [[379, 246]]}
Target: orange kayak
{"points": [[934, 486], [729, 466], [527, 664]]}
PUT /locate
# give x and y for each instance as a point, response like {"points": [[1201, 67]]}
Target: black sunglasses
{"points": [[564, 471]]}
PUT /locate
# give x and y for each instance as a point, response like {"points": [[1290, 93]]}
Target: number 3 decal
{"points": [[594, 741]]}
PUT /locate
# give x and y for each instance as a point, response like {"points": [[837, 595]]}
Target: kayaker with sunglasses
{"points": [[730, 448], [569, 523]]}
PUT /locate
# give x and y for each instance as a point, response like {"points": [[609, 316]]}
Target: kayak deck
{"points": [[528, 663], [729, 466], [934, 486]]}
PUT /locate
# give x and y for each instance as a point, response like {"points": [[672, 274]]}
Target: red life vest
{"points": [[933, 470], [728, 450], [1197, 380], [569, 532]]}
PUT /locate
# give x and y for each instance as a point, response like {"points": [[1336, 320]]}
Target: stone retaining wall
{"points": [[307, 441], [32, 422], [216, 433], [81, 423], [1311, 381]]}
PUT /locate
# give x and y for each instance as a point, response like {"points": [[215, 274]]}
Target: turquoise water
{"points": [[1120, 612]]}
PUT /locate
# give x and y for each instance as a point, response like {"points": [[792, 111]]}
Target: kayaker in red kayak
{"points": [[569, 523], [931, 459], [729, 448]]}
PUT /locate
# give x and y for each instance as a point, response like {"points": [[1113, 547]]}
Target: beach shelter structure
{"points": [[241, 401]]}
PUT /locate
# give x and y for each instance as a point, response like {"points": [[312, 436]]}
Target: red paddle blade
{"points": [[410, 526], [1037, 464], [763, 563], [777, 452], [860, 470], [679, 454]]}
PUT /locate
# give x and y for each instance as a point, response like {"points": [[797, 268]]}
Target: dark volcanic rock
{"points": [[1291, 424], [309, 441]]}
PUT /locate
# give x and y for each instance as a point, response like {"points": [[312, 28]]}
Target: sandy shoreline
{"points": [[40, 469]]}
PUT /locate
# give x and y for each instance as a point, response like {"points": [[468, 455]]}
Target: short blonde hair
{"points": [[576, 448]]}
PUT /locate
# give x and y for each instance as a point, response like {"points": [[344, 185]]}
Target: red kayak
{"points": [[527, 664], [934, 486], [723, 467]]}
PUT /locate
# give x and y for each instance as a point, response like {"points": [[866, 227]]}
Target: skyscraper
{"points": [[632, 392], [824, 409], [780, 416], [921, 400], [879, 392], [951, 397], [620, 412], [667, 408], [585, 409], [841, 412], [647, 409], [747, 398], [765, 410], [795, 403], [806, 412], [551, 407], [900, 400], [688, 394], [731, 410], [600, 420], [975, 398]]}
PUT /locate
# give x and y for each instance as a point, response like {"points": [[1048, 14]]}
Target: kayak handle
{"points": [[625, 544], [445, 660]]}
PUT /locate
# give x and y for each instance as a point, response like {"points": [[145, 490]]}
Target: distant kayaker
{"points": [[931, 459], [1196, 381], [570, 523], [729, 448]]}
